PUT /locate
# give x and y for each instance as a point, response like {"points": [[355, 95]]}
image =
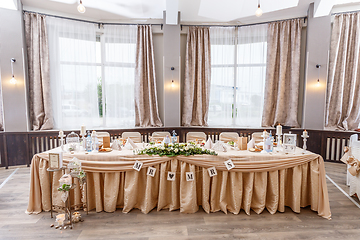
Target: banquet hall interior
{"points": [[179, 119]]}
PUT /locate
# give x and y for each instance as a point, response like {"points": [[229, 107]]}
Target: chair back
{"points": [[195, 136], [355, 146], [257, 136], [159, 136], [101, 135], [135, 136], [228, 136]]}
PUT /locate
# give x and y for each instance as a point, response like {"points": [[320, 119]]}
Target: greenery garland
{"points": [[171, 150]]}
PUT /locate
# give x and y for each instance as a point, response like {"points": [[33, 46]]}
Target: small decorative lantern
{"points": [[73, 142], [75, 167]]}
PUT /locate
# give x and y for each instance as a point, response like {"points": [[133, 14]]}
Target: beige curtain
{"points": [[282, 73], [41, 114], [197, 77], [146, 106], [343, 86]]}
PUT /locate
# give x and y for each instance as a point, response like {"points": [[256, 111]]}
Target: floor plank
{"points": [[345, 223]]}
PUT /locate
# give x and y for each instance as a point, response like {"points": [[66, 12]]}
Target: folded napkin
{"points": [[209, 144], [251, 144], [116, 145], [220, 147], [130, 144]]}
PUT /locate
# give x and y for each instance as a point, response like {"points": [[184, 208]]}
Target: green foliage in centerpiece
{"points": [[65, 187], [175, 149]]}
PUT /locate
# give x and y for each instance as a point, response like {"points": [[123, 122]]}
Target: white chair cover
{"points": [[257, 136], [101, 135], [159, 136], [134, 136], [228, 136], [354, 181], [193, 136]]}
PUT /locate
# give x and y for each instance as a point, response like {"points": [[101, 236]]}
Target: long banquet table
{"points": [[258, 181]]}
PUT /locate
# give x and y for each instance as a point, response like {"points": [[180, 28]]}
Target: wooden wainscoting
{"points": [[17, 148]]}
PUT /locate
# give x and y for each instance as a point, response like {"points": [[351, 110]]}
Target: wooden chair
{"points": [[135, 136], [159, 136], [195, 136], [228, 136], [354, 181], [257, 136]]}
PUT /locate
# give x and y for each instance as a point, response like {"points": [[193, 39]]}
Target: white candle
{"points": [[61, 133], [305, 133], [82, 130], [278, 129]]}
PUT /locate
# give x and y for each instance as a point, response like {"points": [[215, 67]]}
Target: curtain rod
{"points": [[244, 25], [99, 23], [355, 11]]}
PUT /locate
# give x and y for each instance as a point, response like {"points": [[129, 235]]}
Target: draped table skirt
{"points": [[258, 181]]}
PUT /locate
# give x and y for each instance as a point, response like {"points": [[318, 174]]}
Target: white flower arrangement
{"points": [[176, 149]]}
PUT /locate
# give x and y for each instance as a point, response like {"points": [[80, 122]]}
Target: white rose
{"points": [[181, 150], [162, 148], [186, 148], [170, 144], [176, 150]]}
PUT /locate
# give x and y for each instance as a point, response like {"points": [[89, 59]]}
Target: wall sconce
{"points": [[172, 81], [12, 80], [318, 67], [81, 7]]}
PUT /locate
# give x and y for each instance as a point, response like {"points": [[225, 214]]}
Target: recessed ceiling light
{"points": [[8, 4]]}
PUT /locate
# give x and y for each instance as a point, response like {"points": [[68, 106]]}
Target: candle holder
{"points": [[62, 140], [278, 140], [305, 137], [83, 143]]}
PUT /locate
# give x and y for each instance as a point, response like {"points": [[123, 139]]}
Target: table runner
{"points": [[258, 181]]}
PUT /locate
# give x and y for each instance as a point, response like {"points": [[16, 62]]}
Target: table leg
{"points": [[51, 203]]}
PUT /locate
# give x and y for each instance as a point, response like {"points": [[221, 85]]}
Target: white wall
{"points": [[317, 49], [11, 46]]}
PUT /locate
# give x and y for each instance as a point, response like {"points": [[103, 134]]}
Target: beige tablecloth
{"points": [[258, 181]]}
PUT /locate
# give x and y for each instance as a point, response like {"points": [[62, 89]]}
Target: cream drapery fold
{"points": [[282, 73], [41, 112], [146, 105], [197, 77], [343, 86]]}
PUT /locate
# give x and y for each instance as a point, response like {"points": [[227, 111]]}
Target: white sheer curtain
{"points": [[251, 72], [238, 67], [222, 40], [119, 75], [73, 73]]}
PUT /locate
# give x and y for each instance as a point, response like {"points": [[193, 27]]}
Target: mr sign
{"points": [[212, 171], [137, 165], [171, 176], [151, 171], [189, 176], [229, 164]]}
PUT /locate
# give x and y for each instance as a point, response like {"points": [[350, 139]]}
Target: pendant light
{"points": [[81, 7], [258, 11]]}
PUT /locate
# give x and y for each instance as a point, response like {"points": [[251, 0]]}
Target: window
{"points": [[238, 68], [91, 74]]}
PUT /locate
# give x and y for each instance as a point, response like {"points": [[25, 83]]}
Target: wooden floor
{"points": [[15, 224]]}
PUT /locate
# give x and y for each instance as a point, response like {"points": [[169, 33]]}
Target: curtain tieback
{"points": [[353, 162]]}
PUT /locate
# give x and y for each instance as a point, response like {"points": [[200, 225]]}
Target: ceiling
{"points": [[192, 11]]}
